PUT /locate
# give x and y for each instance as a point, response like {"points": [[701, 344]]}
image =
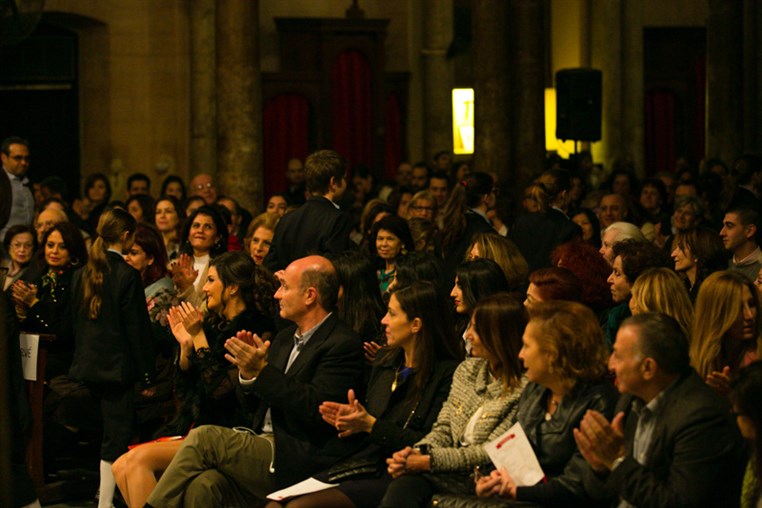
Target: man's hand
{"points": [[601, 443], [247, 352]]}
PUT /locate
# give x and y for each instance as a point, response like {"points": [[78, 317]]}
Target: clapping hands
{"points": [[350, 418]]}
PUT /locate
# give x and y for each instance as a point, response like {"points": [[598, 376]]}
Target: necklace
{"points": [[553, 406], [400, 375]]}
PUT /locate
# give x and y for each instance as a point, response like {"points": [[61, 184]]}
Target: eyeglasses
{"points": [[203, 186], [20, 245]]}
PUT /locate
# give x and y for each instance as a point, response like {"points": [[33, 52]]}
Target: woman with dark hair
{"points": [[141, 207], [373, 211], [148, 256], [97, 195], [417, 266], [360, 304], [20, 243], [239, 296], [114, 348], [169, 217], [552, 283], [584, 260], [698, 253], [631, 258], [537, 234], [482, 405], [204, 237], [41, 296], [586, 219], [173, 186], [407, 388], [565, 359], [474, 280], [464, 215], [745, 394], [192, 204], [391, 240]]}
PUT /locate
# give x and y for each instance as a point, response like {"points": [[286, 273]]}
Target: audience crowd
{"points": [[379, 336]]}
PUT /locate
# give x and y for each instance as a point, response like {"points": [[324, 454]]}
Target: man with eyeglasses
{"points": [[204, 186], [16, 199]]}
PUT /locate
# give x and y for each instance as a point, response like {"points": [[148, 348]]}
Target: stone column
{"points": [[633, 99], [752, 44], [437, 76], [528, 115], [491, 78], [724, 80], [239, 101], [203, 108], [606, 55]]}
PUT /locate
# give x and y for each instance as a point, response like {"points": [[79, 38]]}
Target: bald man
{"points": [[203, 185], [317, 359]]}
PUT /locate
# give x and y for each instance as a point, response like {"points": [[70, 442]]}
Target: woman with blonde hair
{"points": [[726, 328], [503, 252], [662, 290], [113, 344], [259, 236]]}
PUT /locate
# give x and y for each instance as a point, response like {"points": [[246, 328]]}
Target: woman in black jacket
{"points": [[564, 355], [407, 388], [40, 296]]}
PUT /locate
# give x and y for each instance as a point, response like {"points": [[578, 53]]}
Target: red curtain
{"points": [[700, 122], [285, 135], [660, 131], [351, 107], [393, 136]]}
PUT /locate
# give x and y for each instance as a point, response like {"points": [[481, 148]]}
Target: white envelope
{"points": [[514, 452]]}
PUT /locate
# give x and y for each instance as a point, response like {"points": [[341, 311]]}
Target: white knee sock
{"points": [[108, 484]]}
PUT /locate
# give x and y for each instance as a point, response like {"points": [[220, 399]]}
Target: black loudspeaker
{"points": [[578, 104]]}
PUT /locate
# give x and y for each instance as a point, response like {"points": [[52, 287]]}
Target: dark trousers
{"points": [[409, 491], [117, 404]]}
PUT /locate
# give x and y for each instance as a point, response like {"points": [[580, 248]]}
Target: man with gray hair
{"points": [[673, 441], [615, 233]]}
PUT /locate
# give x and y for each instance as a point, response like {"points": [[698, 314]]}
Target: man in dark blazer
{"points": [[673, 441], [317, 359], [318, 226]]}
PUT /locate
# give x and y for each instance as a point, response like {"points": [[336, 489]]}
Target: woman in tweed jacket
{"points": [[481, 406]]}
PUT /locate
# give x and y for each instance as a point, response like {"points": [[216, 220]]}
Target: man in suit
{"points": [[16, 200], [318, 226], [673, 441], [739, 236], [317, 359]]}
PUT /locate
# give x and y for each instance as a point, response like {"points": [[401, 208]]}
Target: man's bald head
{"points": [[47, 219]]}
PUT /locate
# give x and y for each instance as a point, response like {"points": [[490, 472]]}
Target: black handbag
{"points": [[368, 466]]}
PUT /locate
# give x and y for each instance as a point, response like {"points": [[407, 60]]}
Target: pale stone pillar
{"points": [[239, 101], [203, 119], [491, 72], [724, 80], [528, 138], [437, 76], [606, 55], [633, 95]]}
